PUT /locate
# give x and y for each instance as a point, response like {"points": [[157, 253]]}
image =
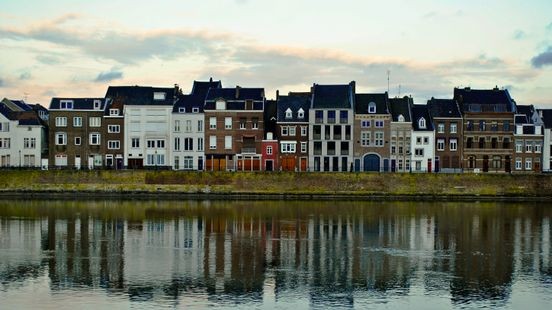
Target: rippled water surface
{"points": [[304, 254]]}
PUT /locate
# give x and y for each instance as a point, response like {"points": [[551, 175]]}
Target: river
{"points": [[99, 254]]}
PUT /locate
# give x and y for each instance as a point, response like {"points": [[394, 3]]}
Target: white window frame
{"points": [[213, 122], [77, 141], [135, 143], [95, 136], [77, 121], [113, 128], [453, 144], [304, 131], [227, 142], [228, 122], [440, 144], [114, 112], [94, 121], [113, 144], [63, 136], [212, 142], [61, 121], [304, 147]]}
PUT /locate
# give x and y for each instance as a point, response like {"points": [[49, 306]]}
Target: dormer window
{"points": [[66, 104], [97, 104], [289, 114], [195, 110], [401, 118], [422, 123], [372, 107], [220, 105], [159, 95], [301, 113], [113, 112], [181, 110]]}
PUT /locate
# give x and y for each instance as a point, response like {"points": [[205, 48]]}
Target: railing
{"points": [[249, 150]]}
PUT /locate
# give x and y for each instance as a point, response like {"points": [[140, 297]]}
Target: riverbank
{"points": [[130, 184]]}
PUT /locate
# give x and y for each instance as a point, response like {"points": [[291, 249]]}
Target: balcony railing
{"points": [[249, 150]]}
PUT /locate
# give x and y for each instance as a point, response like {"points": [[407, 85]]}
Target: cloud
{"points": [[542, 59], [109, 76], [549, 27], [519, 35], [1, 83], [25, 75], [49, 59]]}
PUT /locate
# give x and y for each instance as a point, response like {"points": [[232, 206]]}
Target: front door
{"points": [[91, 162], [372, 163], [77, 162], [269, 165]]}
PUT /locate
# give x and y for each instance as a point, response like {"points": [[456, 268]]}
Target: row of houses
{"points": [[327, 128]]}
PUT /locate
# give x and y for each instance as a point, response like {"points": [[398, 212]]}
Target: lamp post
{"points": [[19, 158]]}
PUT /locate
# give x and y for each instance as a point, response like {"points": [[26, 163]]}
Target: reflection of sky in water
{"points": [[274, 254]]}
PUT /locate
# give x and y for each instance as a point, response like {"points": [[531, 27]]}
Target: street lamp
{"points": [[19, 158]]}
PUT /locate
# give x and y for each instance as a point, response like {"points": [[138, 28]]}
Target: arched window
{"points": [[401, 118], [372, 107], [288, 113], [422, 123]]}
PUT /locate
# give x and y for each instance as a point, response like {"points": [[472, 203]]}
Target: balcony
{"points": [[249, 150]]}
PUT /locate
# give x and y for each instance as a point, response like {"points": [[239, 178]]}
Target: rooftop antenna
{"points": [[388, 73]]}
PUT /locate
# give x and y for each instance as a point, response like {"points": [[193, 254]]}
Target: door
{"points": [[437, 163], [507, 164], [486, 163], [269, 165], [91, 162], [77, 162], [303, 164], [386, 165], [393, 165], [119, 163], [372, 163]]}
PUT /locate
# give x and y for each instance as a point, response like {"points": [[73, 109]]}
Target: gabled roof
{"points": [[401, 106], [142, 95], [17, 105], [546, 115], [419, 111], [443, 108], [79, 103], [294, 102], [16, 113], [381, 101], [200, 88], [484, 100], [333, 96]]}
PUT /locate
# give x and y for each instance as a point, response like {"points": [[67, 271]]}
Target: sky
{"points": [[72, 48]]}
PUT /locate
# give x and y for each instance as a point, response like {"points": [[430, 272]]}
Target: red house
{"points": [[270, 152]]}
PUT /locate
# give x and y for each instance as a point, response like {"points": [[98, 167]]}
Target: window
{"points": [[255, 123], [242, 123], [418, 165], [176, 163], [212, 142], [317, 148], [77, 121], [426, 140], [301, 113], [288, 147], [269, 150], [61, 138], [188, 126], [94, 138], [200, 144], [453, 128], [364, 123], [538, 148], [228, 142], [378, 123], [419, 152], [29, 143], [5, 127], [528, 147], [200, 125], [365, 138], [181, 110], [195, 110], [528, 164], [5, 143], [379, 138], [343, 117], [482, 126], [29, 160], [331, 116], [113, 112], [304, 131], [228, 123], [400, 118], [344, 147], [95, 121], [188, 162], [303, 147], [469, 126], [150, 144], [289, 114], [285, 130], [440, 144], [113, 144], [135, 142], [494, 127], [422, 123], [518, 163], [161, 144], [317, 132], [441, 128], [497, 162], [453, 144], [418, 140], [113, 128], [292, 130], [176, 125], [212, 122], [330, 147], [506, 126], [188, 144], [97, 104], [61, 121], [220, 105], [159, 95], [177, 144], [66, 104], [318, 116], [61, 160], [393, 148], [372, 107], [78, 141]]}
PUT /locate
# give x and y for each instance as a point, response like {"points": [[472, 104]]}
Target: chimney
{"points": [[211, 80], [277, 94], [237, 92], [176, 90], [353, 86]]}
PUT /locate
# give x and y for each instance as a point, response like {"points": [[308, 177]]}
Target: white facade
{"points": [[330, 139], [20, 145], [546, 147], [422, 150], [187, 141], [147, 134]]}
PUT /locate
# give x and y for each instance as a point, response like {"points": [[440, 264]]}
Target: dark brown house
{"points": [[447, 121], [292, 130], [234, 129], [77, 135], [487, 129], [114, 123]]}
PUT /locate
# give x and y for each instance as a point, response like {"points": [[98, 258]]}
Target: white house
{"points": [[147, 112], [546, 116], [422, 147], [22, 135]]}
